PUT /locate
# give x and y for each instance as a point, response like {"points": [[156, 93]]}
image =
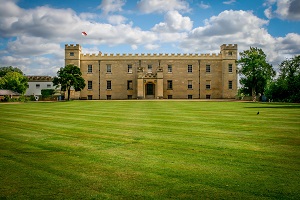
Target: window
{"points": [[90, 97], [108, 68], [37, 86], [90, 85], [190, 84], [207, 96], [207, 85], [190, 68], [190, 96], [230, 85], [129, 96], [149, 68], [170, 97], [108, 85], [108, 97], [48, 85], [207, 70], [170, 85], [71, 53], [129, 85], [90, 68], [169, 68], [230, 53], [129, 69], [230, 68]]}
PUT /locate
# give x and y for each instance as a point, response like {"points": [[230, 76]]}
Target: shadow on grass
{"points": [[274, 105]]}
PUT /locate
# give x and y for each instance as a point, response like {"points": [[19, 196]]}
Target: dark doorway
{"points": [[150, 89]]}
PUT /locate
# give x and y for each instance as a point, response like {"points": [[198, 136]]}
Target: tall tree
{"points": [[14, 81], [5, 70], [256, 72], [286, 86], [67, 77]]}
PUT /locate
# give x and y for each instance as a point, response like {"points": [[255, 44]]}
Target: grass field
{"points": [[149, 150]]}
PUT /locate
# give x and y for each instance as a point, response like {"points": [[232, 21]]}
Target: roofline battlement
{"points": [[229, 47], [149, 55], [72, 46]]}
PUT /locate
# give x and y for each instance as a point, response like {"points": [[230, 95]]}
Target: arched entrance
{"points": [[150, 90]]}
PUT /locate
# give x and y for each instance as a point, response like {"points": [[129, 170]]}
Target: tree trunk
{"points": [[69, 91], [253, 94]]}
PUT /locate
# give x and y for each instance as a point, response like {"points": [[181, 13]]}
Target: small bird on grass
{"points": [[258, 113]]}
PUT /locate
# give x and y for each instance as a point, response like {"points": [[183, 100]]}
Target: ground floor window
{"points": [[90, 97], [230, 85], [208, 96], [190, 96], [108, 97], [170, 97], [129, 96]]}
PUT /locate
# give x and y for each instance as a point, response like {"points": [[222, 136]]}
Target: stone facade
{"points": [[156, 76]]}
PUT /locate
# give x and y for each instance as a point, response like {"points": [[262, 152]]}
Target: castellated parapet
{"points": [[156, 75], [151, 56], [229, 47]]}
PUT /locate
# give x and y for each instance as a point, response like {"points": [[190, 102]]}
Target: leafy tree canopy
{"points": [[14, 81], [286, 87], [5, 70], [69, 76], [255, 71]]}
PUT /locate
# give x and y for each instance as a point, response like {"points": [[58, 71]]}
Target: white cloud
{"points": [[203, 5], [151, 46], [134, 47], [116, 19], [285, 9], [242, 28], [268, 13], [174, 22], [111, 6], [229, 2], [160, 6]]}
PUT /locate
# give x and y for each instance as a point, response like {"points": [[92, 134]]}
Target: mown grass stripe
{"points": [[149, 150]]}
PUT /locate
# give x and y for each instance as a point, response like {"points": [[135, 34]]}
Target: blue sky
{"points": [[33, 32]]}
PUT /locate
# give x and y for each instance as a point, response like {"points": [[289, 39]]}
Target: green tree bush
{"points": [[255, 71], [67, 77]]}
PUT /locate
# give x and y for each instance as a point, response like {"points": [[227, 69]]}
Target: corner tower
{"points": [[72, 54], [229, 70]]}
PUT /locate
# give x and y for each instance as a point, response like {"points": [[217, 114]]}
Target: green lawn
{"points": [[149, 150]]}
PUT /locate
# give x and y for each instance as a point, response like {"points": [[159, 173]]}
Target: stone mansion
{"points": [[156, 76]]}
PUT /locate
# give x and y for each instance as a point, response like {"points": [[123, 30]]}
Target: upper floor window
{"points": [[190, 68], [190, 84], [170, 85], [90, 85], [230, 68], [108, 68], [37, 86], [169, 68], [207, 69], [150, 68], [129, 68], [48, 85], [71, 53], [229, 53], [90, 68]]}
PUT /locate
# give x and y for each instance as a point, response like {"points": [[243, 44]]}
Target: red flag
{"points": [[84, 33]]}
